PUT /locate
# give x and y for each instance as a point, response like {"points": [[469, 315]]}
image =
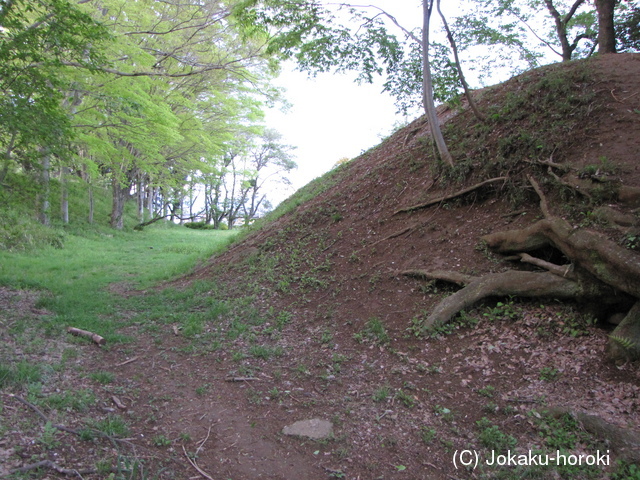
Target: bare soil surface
{"points": [[343, 340]]}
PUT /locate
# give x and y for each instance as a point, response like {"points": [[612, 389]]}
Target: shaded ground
{"points": [[330, 328]]}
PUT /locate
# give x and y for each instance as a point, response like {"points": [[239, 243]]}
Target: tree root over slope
{"points": [[600, 272]]}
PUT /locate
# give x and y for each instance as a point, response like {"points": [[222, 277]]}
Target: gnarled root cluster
{"points": [[600, 272]]}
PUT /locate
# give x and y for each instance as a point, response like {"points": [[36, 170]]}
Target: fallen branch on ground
{"points": [[240, 379], [86, 334], [62, 428], [126, 362], [53, 466], [195, 465], [44, 418]]}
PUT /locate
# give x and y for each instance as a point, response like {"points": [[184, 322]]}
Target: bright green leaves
{"points": [[37, 39]]}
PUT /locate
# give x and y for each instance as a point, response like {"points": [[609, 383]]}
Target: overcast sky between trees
{"points": [[332, 117]]}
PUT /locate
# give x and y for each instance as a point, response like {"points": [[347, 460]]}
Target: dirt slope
{"points": [[330, 328], [334, 265]]}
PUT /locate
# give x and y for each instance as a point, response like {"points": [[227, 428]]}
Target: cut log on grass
{"points": [[90, 335]]}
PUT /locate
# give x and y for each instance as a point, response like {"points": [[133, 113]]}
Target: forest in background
{"points": [[163, 101]]}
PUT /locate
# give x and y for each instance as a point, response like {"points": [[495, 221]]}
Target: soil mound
{"points": [[354, 332]]}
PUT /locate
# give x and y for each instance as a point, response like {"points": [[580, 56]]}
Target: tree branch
{"points": [[463, 80], [452, 196]]}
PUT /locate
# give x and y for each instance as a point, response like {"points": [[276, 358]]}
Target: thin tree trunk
{"points": [[45, 179], [606, 29], [427, 87], [479, 115], [91, 202], [7, 157], [150, 194], [140, 199], [117, 208], [64, 201]]}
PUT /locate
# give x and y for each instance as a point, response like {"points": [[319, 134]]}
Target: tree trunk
{"points": [[150, 195], [45, 179], [427, 87], [472, 103], [140, 200], [606, 29], [64, 201], [7, 158], [120, 193], [91, 204]]}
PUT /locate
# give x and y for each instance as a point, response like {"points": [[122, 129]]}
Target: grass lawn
{"points": [[76, 277]]}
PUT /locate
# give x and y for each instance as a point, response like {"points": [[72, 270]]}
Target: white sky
{"points": [[331, 116]]}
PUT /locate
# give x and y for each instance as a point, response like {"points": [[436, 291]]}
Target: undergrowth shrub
{"points": [[19, 232]]}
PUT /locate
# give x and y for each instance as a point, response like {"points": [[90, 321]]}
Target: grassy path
{"points": [[77, 276]]}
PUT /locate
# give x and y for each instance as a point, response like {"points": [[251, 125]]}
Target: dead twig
{"points": [[614, 97], [195, 465], [44, 418], [575, 188], [203, 441], [393, 235], [514, 214], [549, 163], [62, 428], [241, 379], [127, 362], [118, 403]]}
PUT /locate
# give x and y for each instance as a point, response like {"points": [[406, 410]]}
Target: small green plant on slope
{"points": [[487, 391], [502, 311], [19, 374], [626, 471], [406, 398], [381, 394], [373, 331], [562, 433], [492, 438], [427, 434], [549, 374], [161, 441], [102, 377]]}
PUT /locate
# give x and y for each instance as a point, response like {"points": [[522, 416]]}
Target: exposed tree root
{"points": [[512, 282], [452, 196], [605, 260], [624, 442], [600, 271]]}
